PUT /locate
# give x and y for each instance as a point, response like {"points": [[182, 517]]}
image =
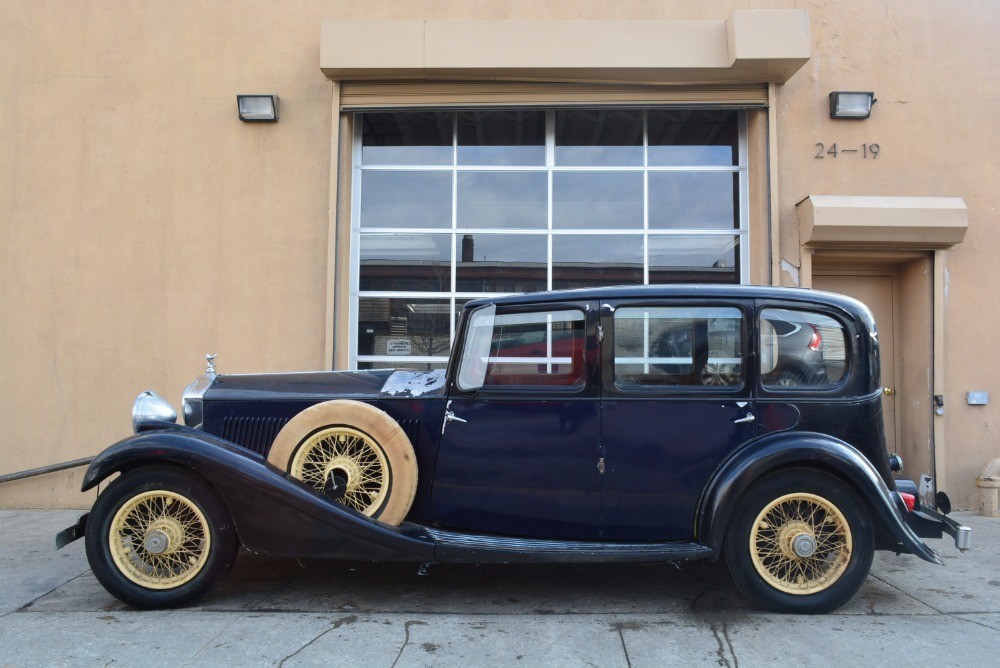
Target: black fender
{"points": [[274, 513], [758, 458]]}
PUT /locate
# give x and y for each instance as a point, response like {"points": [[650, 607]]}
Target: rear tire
{"points": [[159, 538], [801, 542]]}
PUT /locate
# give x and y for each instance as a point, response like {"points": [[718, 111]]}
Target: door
{"points": [[677, 399], [519, 454], [878, 292]]}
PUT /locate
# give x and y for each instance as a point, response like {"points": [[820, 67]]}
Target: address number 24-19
{"points": [[866, 151]]}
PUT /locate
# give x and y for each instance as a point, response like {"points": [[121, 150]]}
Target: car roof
{"points": [[680, 291]]}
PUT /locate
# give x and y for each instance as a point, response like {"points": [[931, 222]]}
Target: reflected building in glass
{"points": [[449, 206]]}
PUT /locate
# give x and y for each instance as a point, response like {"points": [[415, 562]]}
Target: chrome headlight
{"points": [[150, 407], [193, 395]]}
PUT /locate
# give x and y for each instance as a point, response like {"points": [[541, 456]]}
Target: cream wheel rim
{"points": [[800, 543], [159, 539], [351, 454]]}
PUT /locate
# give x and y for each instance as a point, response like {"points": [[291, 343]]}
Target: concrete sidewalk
{"points": [[283, 612]]}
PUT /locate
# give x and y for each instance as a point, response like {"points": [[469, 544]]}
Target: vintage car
{"points": [[563, 430]]}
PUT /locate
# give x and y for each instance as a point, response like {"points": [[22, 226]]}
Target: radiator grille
{"points": [[253, 433]]}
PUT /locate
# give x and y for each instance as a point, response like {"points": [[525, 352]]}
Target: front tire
{"points": [[801, 542], [159, 538]]}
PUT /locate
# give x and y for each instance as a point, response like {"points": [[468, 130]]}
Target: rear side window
{"points": [[537, 349], [678, 346], [801, 349]]}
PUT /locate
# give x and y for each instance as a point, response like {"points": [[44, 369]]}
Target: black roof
{"points": [[694, 291]]}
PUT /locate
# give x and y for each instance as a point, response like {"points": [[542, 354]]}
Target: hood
{"points": [[325, 385]]}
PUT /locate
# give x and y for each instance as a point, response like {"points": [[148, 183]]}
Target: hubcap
{"points": [[804, 545]]}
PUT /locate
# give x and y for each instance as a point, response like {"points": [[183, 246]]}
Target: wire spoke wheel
{"points": [[352, 458], [800, 543], [159, 539]]}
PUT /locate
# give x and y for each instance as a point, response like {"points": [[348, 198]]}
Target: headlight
{"points": [[149, 407], [193, 395]]}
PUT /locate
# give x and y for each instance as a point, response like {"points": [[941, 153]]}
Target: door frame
{"points": [[854, 261]]}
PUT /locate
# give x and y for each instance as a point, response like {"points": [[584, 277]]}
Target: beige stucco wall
{"points": [[142, 225]]}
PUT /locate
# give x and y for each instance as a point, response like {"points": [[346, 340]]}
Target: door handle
{"points": [[748, 418], [451, 417]]}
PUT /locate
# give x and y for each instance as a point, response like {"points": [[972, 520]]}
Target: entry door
{"points": [[520, 453], [879, 294]]}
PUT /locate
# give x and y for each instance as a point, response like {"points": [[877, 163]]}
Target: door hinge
{"points": [[600, 465], [600, 333]]}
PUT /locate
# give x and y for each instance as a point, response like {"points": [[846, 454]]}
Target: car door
{"points": [[676, 400], [519, 452]]}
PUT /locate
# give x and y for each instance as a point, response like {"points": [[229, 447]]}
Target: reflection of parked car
{"points": [[575, 448], [794, 351]]}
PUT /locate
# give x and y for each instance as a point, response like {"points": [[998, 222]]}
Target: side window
{"points": [[799, 348], [678, 346], [537, 349]]}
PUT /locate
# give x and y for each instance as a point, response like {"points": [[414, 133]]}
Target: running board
{"points": [[473, 548]]}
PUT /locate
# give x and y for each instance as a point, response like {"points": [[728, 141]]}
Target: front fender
{"points": [[748, 464], [274, 513]]}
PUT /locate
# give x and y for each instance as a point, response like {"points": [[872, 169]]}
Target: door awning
{"points": [[849, 221]]}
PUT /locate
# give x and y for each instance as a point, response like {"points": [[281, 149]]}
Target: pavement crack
{"points": [[904, 593], [725, 646], [406, 639], [211, 640], [621, 636], [24, 608], [334, 626]]}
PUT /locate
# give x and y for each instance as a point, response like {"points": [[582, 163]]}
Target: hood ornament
{"points": [[210, 363]]}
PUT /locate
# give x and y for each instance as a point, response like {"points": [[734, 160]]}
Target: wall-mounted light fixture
{"points": [[851, 104], [258, 107]]}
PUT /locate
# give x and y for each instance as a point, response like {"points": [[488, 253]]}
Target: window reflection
{"points": [[580, 261], [692, 137], [405, 262], [502, 263], [406, 199], [693, 259], [594, 200], [693, 200], [503, 200], [407, 138], [598, 137], [512, 137]]}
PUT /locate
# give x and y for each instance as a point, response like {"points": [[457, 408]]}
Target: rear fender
{"points": [[748, 464], [274, 513]]}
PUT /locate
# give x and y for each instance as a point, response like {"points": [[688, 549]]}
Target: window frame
{"points": [[819, 392], [740, 233], [747, 349]]}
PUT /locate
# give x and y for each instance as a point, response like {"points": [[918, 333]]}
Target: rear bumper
{"points": [[927, 523]]}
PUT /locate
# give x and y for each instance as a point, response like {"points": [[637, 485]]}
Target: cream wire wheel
{"points": [[800, 543], [347, 461], [159, 539], [352, 453]]}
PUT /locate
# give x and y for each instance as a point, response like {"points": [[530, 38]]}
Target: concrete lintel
{"points": [[750, 46], [849, 221]]}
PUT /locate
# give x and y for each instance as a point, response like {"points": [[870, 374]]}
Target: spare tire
{"points": [[353, 452]]}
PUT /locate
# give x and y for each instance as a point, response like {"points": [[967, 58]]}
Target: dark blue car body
{"points": [[592, 471]]}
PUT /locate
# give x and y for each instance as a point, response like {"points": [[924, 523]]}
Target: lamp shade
{"points": [[851, 104], [258, 107]]}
